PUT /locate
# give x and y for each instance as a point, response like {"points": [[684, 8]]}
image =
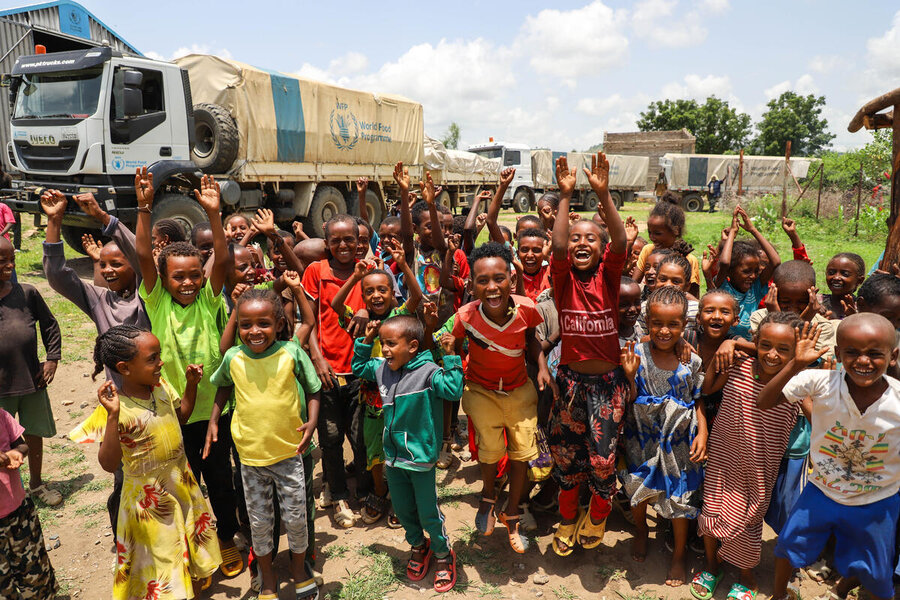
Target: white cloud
{"points": [[715, 7], [882, 51], [574, 43], [805, 85], [349, 64], [662, 24], [192, 49], [776, 90], [699, 88], [828, 63]]}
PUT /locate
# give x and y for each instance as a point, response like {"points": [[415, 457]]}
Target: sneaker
{"points": [[445, 459], [527, 520], [325, 497]]}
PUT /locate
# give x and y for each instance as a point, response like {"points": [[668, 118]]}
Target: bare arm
{"points": [[725, 254], [768, 248], [437, 234], [110, 454], [362, 185], [401, 176], [565, 179], [143, 186], [506, 177], [598, 177], [209, 198], [412, 284], [192, 374], [307, 316], [469, 229]]}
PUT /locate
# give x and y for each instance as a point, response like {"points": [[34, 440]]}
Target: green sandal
{"points": [[708, 582], [741, 592]]}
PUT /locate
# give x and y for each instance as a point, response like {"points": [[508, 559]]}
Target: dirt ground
{"points": [[358, 563]]}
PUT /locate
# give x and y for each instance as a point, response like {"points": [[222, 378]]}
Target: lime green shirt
{"points": [[269, 403], [188, 335]]}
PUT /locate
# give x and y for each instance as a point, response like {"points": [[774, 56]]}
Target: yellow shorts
{"points": [[492, 413]]}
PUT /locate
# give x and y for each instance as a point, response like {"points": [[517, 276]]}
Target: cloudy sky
{"points": [[557, 76]]}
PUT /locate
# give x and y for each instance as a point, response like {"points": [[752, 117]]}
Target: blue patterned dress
{"points": [[660, 426]]}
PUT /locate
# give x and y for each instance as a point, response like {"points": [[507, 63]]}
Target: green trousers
{"points": [[414, 497]]}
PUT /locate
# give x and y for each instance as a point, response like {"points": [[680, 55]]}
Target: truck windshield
{"points": [[489, 152], [58, 95]]}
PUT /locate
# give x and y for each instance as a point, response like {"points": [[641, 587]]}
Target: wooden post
{"points": [[787, 162], [858, 199], [740, 191], [819, 198]]}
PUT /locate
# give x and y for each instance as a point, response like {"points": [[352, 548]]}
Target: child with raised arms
{"points": [[586, 419]]}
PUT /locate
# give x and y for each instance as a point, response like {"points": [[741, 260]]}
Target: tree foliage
{"points": [[718, 127], [842, 169], [795, 118], [450, 139]]}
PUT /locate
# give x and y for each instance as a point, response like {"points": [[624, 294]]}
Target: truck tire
{"points": [[71, 235], [216, 139], [373, 208], [183, 209], [590, 202], [521, 201], [444, 200], [692, 202], [617, 198], [327, 202]]}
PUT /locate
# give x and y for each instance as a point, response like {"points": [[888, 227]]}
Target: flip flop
{"points": [[232, 563], [565, 533], [307, 590], [708, 582], [447, 575]]}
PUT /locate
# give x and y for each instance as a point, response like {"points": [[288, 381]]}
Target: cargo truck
{"points": [[462, 175], [84, 120], [536, 174], [689, 174]]}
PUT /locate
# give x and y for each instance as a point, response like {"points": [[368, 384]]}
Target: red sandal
{"points": [[445, 578], [417, 569]]}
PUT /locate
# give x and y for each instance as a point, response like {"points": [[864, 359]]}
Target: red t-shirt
{"points": [[537, 283], [497, 352], [588, 309], [336, 344]]}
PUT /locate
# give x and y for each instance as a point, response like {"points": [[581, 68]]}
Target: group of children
{"points": [[592, 373]]}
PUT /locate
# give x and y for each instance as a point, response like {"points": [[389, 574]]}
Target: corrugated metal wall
{"points": [[48, 20]]}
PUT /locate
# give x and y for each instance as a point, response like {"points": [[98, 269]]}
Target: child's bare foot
{"points": [[748, 579], [639, 545], [677, 572]]}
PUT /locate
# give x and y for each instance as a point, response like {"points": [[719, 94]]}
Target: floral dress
{"points": [[165, 534], [660, 426]]}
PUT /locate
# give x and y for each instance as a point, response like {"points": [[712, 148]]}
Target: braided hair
{"points": [[265, 295], [668, 295], [115, 345], [677, 259], [791, 319], [172, 229]]}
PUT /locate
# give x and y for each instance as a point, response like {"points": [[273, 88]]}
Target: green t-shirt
{"points": [[188, 335], [270, 401]]}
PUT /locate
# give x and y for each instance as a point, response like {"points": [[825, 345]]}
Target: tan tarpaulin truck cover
{"points": [[289, 119], [761, 173], [625, 172], [459, 166]]}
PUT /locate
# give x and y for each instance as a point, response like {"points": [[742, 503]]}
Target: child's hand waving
{"points": [[193, 374], [401, 176], [54, 203], [238, 290], [427, 189], [812, 307], [807, 337], [143, 187], [208, 194], [565, 177], [430, 314], [630, 360], [362, 184], [91, 247], [292, 279], [372, 328], [631, 229], [264, 222], [771, 300], [108, 396], [598, 175], [507, 175]]}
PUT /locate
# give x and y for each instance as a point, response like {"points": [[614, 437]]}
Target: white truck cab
{"points": [[520, 193]]}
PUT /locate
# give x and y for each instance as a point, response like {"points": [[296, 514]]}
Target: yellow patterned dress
{"points": [[165, 533]]}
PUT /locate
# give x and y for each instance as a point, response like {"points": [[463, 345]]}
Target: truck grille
{"points": [[47, 158]]}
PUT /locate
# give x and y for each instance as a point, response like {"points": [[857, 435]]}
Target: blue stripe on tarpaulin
{"points": [[290, 128]]}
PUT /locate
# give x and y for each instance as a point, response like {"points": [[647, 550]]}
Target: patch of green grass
{"points": [[335, 551], [487, 590], [87, 510], [97, 485], [77, 414], [373, 581], [610, 574], [56, 448], [89, 525], [450, 494], [564, 593], [641, 595]]}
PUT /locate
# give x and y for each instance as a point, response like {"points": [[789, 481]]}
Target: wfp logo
{"points": [[344, 127]]}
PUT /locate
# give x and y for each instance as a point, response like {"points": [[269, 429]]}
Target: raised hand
{"points": [[631, 229], [372, 328], [849, 306], [598, 175], [53, 203], [264, 222], [292, 279], [430, 314], [361, 268], [789, 226], [401, 176], [480, 221], [807, 337], [484, 196], [427, 189], [238, 290], [297, 228], [398, 255], [91, 247], [193, 374], [574, 216], [454, 242], [143, 187], [362, 184], [812, 305], [108, 396], [771, 300], [208, 194], [565, 177], [710, 258], [630, 360], [507, 175], [745, 222], [89, 205]]}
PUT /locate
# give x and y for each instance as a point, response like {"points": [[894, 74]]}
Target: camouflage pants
{"points": [[25, 570], [289, 484]]}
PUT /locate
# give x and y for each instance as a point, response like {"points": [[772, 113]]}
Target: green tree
{"points": [[795, 118], [842, 168], [718, 127], [451, 138]]}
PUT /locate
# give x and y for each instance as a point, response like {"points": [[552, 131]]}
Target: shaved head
{"points": [[872, 324], [5, 244]]}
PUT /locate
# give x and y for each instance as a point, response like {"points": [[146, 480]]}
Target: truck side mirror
{"points": [[132, 96]]}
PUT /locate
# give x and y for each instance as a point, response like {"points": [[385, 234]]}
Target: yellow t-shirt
{"points": [[269, 392], [647, 250]]}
